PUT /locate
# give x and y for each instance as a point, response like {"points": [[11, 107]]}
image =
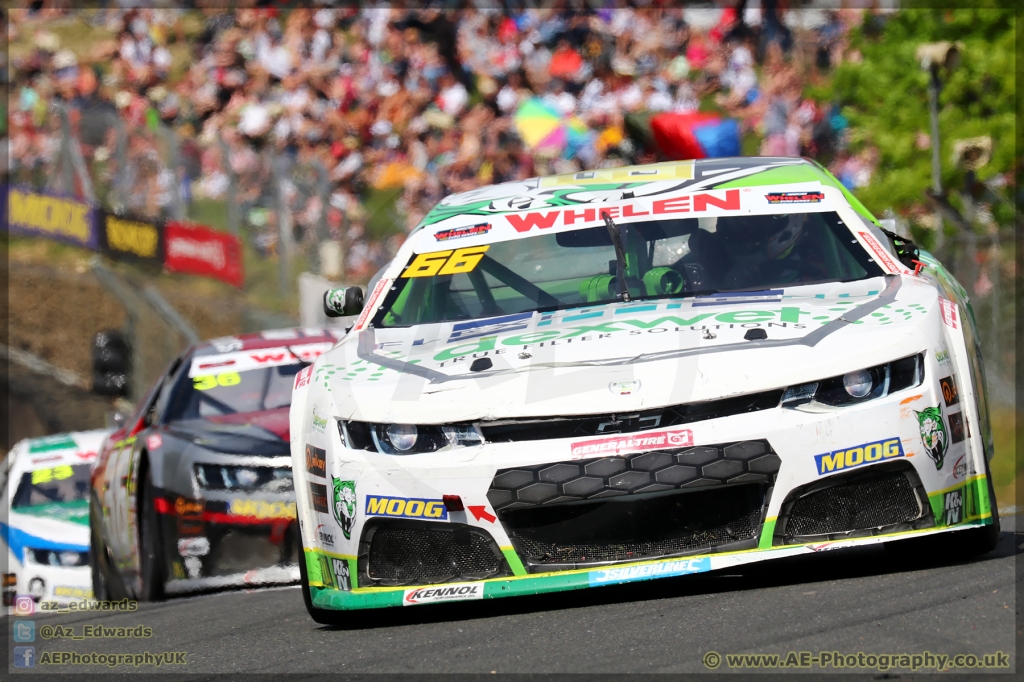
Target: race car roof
{"points": [[603, 184], [270, 338]]}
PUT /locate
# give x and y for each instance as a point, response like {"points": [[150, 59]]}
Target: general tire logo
{"points": [[633, 442], [433, 595]]}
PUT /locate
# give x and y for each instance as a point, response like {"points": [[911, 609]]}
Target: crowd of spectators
{"points": [[414, 104]]}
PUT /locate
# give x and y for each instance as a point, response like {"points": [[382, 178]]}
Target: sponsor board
{"points": [[200, 250], [960, 469], [859, 455], [405, 507], [953, 507], [304, 376], [632, 442], [342, 576], [795, 197], [933, 433], [319, 420], [316, 461], [371, 304], [60, 218], [624, 387], [949, 316], [324, 537], [663, 569], [443, 593], [468, 231], [193, 546], [344, 506], [318, 497], [880, 252], [263, 509], [950, 394], [131, 239], [956, 427]]}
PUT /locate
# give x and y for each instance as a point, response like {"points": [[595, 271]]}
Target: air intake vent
{"points": [[884, 498], [419, 553]]}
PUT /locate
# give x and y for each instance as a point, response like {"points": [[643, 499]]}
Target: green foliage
{"points": [[885, 98]]}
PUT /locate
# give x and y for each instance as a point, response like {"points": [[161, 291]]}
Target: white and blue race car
{"points": [[44, 517]]}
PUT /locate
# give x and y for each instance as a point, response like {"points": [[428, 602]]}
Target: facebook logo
{"points": [[24, 657], [24, 631]]}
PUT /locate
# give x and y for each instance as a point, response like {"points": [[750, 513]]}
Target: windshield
{"points": [[63, 483], [664, 259], [251, 390]]}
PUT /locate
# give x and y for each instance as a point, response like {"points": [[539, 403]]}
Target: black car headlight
{"points": [[236, 478], [406, 439], [859, 385]]}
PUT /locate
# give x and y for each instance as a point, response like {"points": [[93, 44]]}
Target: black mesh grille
{"points": [[561, 536], [743, 528], [397, 554], [865, 503], [751, 461]]}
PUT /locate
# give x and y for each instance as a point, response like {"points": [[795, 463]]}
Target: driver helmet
{"points": [[781, 243]]}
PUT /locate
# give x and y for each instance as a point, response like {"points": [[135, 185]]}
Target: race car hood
{"points": [[57, 526], [263, 434], [626, 356]]}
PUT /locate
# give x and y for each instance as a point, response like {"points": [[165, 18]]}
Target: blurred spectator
{"points": [[399, 108]]}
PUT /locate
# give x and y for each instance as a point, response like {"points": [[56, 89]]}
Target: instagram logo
{"points": [[24, 605]]}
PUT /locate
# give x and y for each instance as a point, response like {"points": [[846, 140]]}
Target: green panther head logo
{"points": [[344, 505], [933, 433]]}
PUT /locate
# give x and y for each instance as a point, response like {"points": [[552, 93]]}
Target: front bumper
{"points": [[808, 459]]}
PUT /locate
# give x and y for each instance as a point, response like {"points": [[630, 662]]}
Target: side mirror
{"points": [[343, 302], [111, 364]]}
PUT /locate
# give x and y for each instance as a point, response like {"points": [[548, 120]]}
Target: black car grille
{"points": [[646, 472], [565, 536], [419, 553], [514, 430], [883, 498]]}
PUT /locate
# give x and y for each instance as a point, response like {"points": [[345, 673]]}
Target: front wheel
{"points": [[97, 554], [961, 545], [322, 616], [151, 557]]}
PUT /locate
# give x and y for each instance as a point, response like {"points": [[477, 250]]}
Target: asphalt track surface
{"points": [[842, 600]]}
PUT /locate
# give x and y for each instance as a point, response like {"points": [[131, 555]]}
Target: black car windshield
{"points": [[223, 393], [61, 483], [663, 258]]}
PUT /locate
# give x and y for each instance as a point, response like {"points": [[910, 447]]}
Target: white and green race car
{"points": [[635, 373]]}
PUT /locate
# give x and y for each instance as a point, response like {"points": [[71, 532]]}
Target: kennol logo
{"points": [[424, 595]]}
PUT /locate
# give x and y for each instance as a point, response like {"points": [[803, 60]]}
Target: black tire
{"points": [[151, 555], [322, 616], [959, 546], [97, 553]]}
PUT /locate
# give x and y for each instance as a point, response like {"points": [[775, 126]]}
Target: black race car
{"points": [[195, 490]]}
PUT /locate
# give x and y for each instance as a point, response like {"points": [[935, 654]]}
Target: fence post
{"points": [[284, 225], [178, 210], [123, 293], [234, 222]]}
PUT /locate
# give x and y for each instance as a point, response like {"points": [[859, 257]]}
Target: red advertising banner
{"points": [[202, 251]]}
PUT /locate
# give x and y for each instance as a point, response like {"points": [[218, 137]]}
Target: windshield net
{"points": [[663, 259], [251, 390], [62, 483]]}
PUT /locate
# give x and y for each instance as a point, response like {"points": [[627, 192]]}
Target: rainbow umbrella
{"points": [[540, 127]]}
